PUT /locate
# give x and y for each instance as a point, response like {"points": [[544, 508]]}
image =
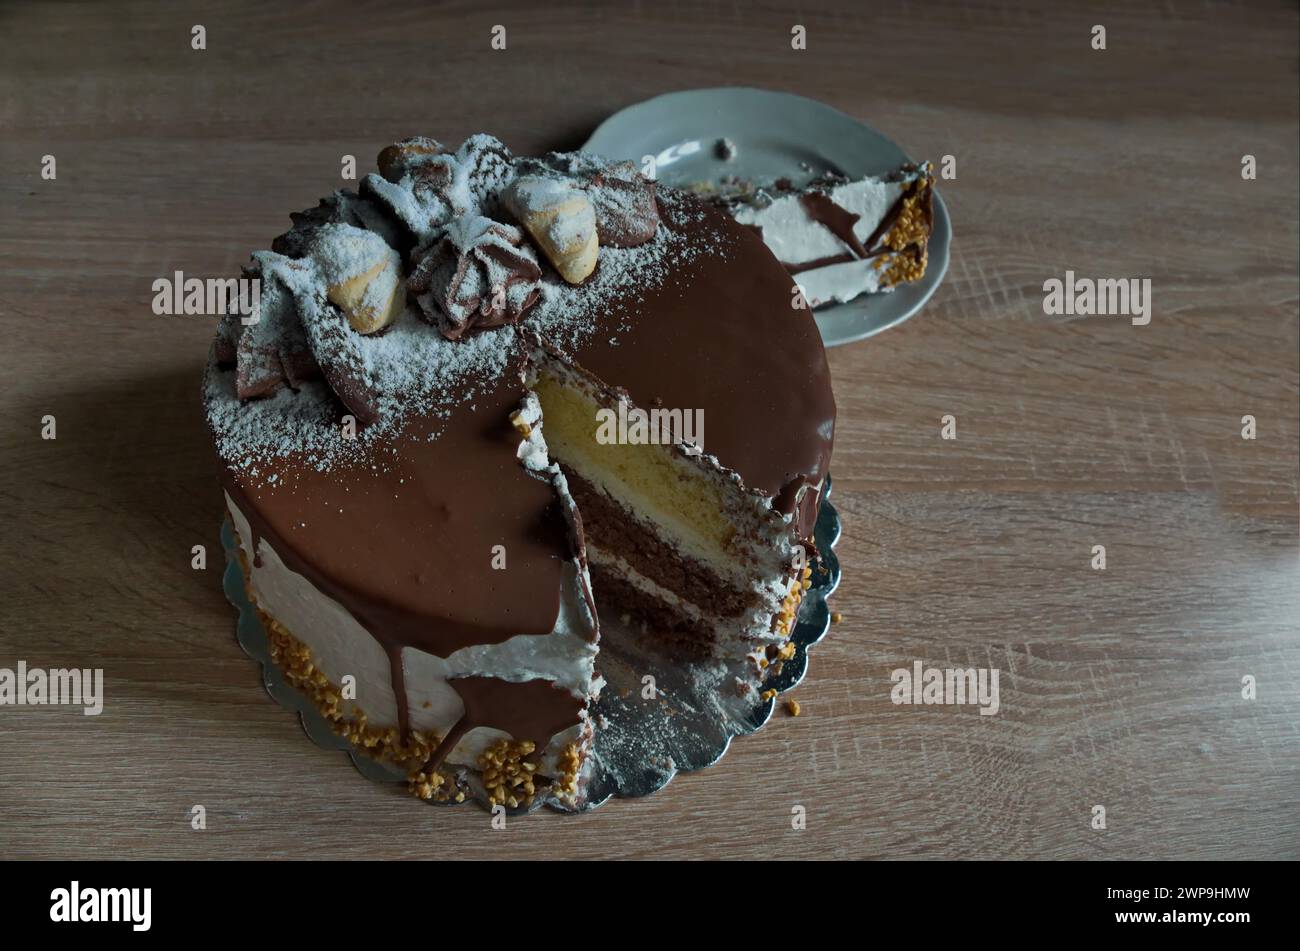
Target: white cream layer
{"points": [[839, 283], [756, 625], [796, 238]]}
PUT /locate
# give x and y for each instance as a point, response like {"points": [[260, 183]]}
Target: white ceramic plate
{"points": [[775, 135]]}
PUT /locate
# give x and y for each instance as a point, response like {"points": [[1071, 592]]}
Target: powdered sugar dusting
{"points": [[566, 313], [410, 369]]}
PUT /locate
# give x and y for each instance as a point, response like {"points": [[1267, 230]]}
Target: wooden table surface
{"points": [[1120, 688]]}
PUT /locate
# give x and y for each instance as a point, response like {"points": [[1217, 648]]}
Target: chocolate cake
{"points": [[485, 400]]}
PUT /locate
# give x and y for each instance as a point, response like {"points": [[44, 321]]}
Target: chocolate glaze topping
{"points": [[528, 710], [723, 337], [408, 549], [835, 219]]}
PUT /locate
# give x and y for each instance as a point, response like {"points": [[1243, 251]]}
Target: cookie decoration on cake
{"points": [[622, 199], [396, 160], [362, 275], [560, 219]]}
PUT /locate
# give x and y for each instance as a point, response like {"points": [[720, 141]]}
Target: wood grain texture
{"points": [[1119, 687]]}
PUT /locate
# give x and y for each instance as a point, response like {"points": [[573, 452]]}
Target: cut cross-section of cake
{"points": [[485, 401], [840, 237]]}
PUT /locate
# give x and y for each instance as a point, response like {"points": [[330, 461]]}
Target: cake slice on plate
{"points": [[840, 238]]}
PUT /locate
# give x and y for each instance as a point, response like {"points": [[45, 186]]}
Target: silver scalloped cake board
{"points": [[640, 743]]}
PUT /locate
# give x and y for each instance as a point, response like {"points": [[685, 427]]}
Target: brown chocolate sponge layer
{"points": [[683, 636], [607, 526]]}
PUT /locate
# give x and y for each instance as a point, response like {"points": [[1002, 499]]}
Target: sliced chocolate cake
{"points": [[483, 401]]}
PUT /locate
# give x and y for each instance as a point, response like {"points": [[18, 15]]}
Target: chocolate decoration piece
{"points": [[410, 218], [488, 167], [273, 349], [397, 159], [337, 348], [259, 372], [346, 208], [225, 346], [299, 364], [432, 184], [838, 221], [534, 710], [453, 185], [480, 275], [624, 202]]}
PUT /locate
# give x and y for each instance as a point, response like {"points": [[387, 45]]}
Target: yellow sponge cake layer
{"points": [[646, 476]]}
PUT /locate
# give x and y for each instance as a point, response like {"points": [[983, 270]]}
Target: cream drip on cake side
{"points": [[341, 647]]}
